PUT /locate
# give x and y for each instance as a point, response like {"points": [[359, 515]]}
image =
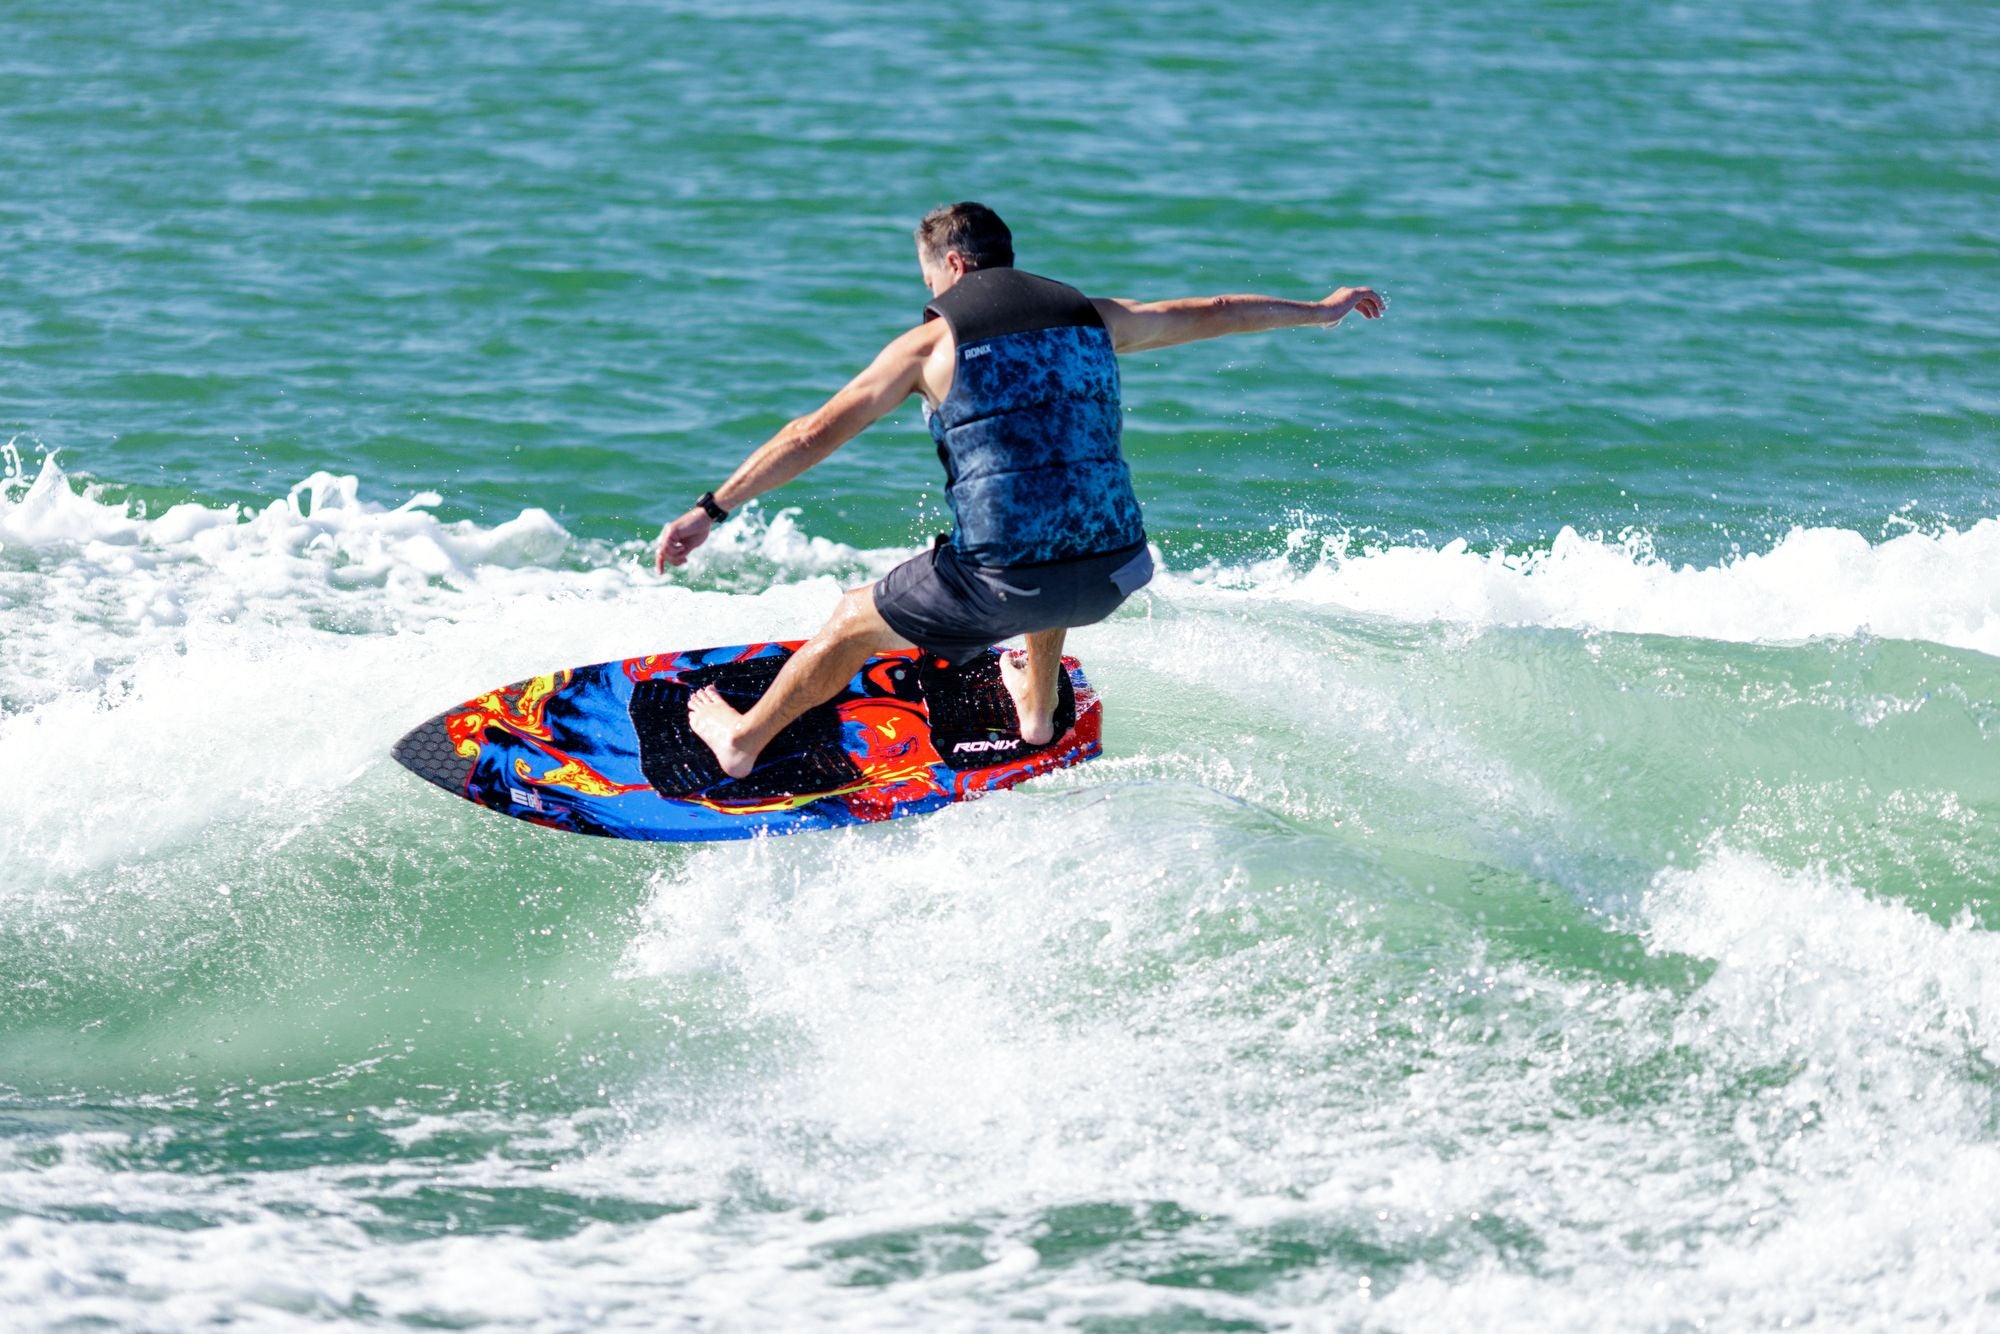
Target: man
{"points": [[1020, 384]]}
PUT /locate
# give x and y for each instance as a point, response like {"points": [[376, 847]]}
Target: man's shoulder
{"points": [[921, 339]]}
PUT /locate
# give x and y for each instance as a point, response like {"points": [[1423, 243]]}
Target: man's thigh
{"points": [[857, 620]]}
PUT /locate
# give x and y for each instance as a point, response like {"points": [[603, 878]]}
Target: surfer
{"points": [[1019, 378]]}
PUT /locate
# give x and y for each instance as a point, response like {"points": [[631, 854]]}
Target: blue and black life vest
{"points": [[1028, 434]]}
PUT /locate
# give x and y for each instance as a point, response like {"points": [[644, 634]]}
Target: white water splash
{"points": [[1943, 587]]}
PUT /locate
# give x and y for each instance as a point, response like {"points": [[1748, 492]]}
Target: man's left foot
{"points": [[711, 719]]}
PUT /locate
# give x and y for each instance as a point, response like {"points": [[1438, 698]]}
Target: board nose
{"points": [[427, 751]]}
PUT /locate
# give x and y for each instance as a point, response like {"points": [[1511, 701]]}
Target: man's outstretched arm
{"points": [[1138, 325], [804, 441]]}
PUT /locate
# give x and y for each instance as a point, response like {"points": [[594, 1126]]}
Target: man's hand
{"points": [[1363, 299], [680, 537]]}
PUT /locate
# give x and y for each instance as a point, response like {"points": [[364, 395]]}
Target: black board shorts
{"points": [[956, 610]]}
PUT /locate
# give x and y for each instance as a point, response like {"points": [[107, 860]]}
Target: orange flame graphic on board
{"points": [[577, 776], [525, 714]]}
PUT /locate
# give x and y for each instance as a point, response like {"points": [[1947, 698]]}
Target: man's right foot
{"points": [[1037, 715]]}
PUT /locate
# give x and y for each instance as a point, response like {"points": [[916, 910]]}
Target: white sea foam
{"points": [[1875, 1151], [1795, 1139], [90, 586], [1943, 587], [1051, 1045]]}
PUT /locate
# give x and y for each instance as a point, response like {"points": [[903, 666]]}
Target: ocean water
{"points": [[1545, 869]]}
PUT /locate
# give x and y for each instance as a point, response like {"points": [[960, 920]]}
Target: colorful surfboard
{"points": [[606, 749]]}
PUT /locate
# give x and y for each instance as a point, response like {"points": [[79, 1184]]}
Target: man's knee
{"points": [[855, 618]]}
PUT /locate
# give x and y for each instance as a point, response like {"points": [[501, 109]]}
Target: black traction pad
{"points": [[806, 757], [970, 708]]}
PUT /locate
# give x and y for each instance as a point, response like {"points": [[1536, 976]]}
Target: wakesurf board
{"points": [[606, 749]]}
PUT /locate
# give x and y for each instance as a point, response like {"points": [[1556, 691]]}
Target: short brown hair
{"points": [[973, 230]]}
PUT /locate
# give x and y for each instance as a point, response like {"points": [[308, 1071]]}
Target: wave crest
{"points": [[1942, 587]]}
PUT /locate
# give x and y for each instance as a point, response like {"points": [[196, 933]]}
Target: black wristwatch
{"points": [[708, 506]]}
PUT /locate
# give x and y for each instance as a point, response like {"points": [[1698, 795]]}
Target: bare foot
{"points": [[711, 719], [1037, 716]]}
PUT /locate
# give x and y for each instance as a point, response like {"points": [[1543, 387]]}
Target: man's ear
{"points": [[956, 263]]}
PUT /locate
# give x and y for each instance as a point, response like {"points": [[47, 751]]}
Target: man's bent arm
{"points": [[1136, 326], [805, 441]]}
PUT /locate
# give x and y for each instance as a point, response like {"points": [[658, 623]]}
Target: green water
{"points": [[1670, 269], [1544, 865]]}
